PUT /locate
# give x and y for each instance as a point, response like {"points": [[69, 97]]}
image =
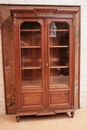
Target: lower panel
{"points": [[32, 100], [59, 98]]}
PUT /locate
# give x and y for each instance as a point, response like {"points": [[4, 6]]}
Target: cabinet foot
{"points": [[18, 118], [72, 114]]}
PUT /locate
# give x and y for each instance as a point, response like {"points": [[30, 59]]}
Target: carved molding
{"points": [[45, 14], [14, 21], [20, 22]]}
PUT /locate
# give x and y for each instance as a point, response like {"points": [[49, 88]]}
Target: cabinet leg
{"points": [[18, 118], [72, 114]]}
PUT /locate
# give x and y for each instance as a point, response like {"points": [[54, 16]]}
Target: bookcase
{"points": [[44, 46]]}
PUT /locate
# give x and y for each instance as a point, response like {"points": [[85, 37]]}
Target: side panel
{"points": [[8, 59]]}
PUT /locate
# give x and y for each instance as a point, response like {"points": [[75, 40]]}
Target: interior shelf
{"points": [[30, 30], [63, 46], [30, 46], [59, 30], [27, 68], [52, 67]]}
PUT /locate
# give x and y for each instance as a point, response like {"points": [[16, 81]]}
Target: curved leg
{"points": [[18, 118], [72, 114]]}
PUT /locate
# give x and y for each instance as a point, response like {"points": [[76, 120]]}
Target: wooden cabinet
{"points": [[44, 61]]}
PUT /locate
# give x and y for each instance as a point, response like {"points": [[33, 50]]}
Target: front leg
{"points": [[18, 118], [72, 114]]}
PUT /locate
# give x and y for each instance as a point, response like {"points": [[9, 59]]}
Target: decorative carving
{"points": [[40, 22], [45, 14], [14, 21], [74, 21], [20, 22], [68, 22]]}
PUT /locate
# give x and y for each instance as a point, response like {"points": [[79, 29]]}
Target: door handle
{"points": [[45, 64]]}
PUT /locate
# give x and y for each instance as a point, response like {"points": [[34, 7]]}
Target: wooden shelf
{"points": [[31, 47], [30, 30], [40, 46], [54, 59], [28, 68], [31, 60], [53, 67], [59, 30], [63, 46]]}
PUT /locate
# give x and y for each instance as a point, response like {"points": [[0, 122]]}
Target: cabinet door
{"points": [[60, 62], [31, 63]]}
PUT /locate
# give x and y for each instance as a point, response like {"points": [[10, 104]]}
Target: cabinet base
{"points": [[44, 113]]}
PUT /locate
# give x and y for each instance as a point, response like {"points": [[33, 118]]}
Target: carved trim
{"points": [[20, 22], [44, 14], [74, 18], [68, 22], [40, 22], [14, 21], [74, 21], [49, 22], [14, 15]]}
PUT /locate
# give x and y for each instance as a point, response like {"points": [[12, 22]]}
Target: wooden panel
{"points": [[32, 99], [59, 98], [8, 59]]}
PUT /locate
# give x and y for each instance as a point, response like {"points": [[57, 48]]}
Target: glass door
{"points": [[31, 55], [58, 54]]}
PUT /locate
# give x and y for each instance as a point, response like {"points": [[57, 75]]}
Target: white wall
{"points": [[83, 69], [83, 77], [46, 2]]}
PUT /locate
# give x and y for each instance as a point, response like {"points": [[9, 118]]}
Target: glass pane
{"points": [[59, 77], [31, 78], [30, 25], [30, 34], [30, 37], [59, 54], [30, 57]]}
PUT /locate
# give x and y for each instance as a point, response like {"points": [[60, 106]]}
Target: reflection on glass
{"points": [[59, 54], [53, 30]]}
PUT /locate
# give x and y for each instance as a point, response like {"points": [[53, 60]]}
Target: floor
{"points": [[58, 122]]}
